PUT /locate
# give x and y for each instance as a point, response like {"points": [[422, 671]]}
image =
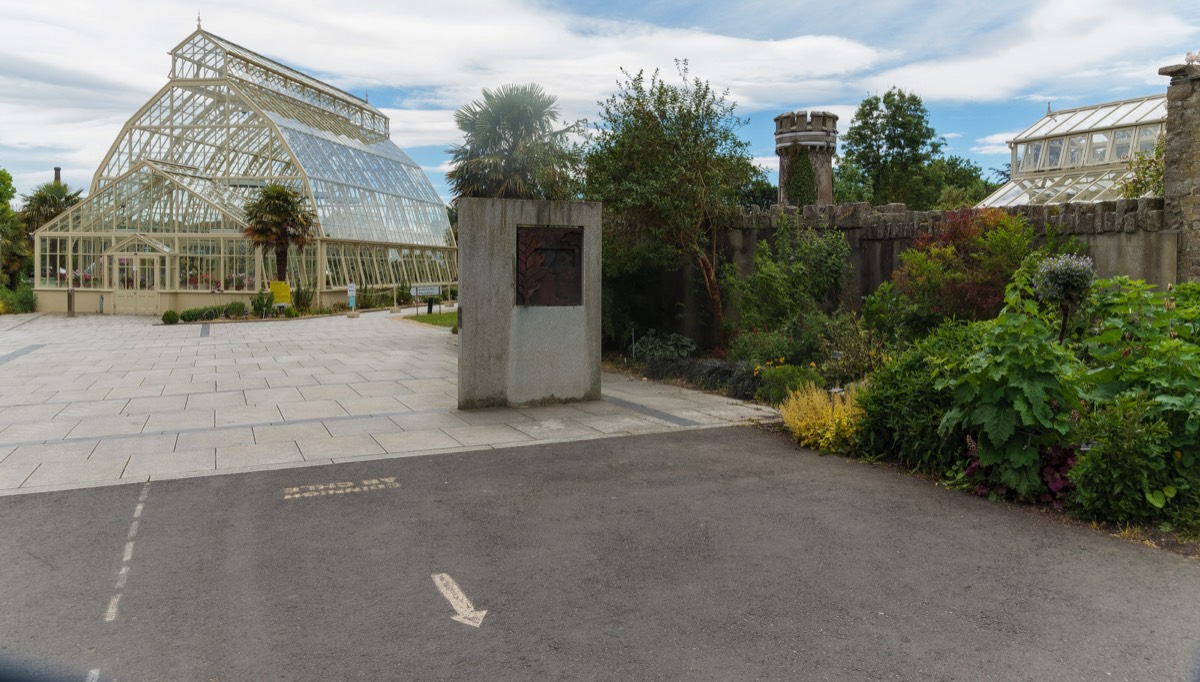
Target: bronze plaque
{"points": [[549, 265]]}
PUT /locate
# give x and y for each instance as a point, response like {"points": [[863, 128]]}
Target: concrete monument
{"points": [[529, 290]]}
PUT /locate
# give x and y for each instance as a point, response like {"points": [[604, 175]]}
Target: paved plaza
{"points": [[97, 400]]}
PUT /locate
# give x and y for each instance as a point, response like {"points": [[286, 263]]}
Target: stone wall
{"points": [[1127, 237], [1181, 163]]}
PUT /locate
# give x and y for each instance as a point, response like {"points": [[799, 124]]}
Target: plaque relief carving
{"points": [[549, 264]]}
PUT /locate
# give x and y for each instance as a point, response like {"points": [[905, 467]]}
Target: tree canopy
{"points": [[7, 192], [668, 164], [46, 202], [891, 153], [514, 148], [15, 247], [278, 218]]}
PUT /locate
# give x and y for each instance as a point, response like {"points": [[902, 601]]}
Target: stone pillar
{"points": [[807, 136], [529, 291], [1181, 163]]}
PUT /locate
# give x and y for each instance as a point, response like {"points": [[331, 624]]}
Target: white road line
{"points": [[466, 613], [123, 575], [93, 676], [111, 614]]}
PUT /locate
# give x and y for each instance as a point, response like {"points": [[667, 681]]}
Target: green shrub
{"points": [[760, 346], [263, 303], [302, 298], [291, 312], [779, 380], [653, 347], [851, 350], [735, 379], [893, 317], [801, 272], [404, 294], [170, 317], [1014, 393], [235, 309], [22, 300], [191, 314], [1129, 473], [902, 407]]}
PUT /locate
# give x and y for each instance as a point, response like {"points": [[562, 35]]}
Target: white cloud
{"points": [[952, 136], [767, 163], [994, 144], [1057, 40]]}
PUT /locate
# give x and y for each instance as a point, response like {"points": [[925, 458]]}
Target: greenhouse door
{"points": [[137, 278]]}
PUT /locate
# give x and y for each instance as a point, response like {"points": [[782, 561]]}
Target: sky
{"points": [[72, 72]]}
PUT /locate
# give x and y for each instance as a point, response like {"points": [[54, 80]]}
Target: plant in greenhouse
{"points": [[277, 218], [1145, 177]]}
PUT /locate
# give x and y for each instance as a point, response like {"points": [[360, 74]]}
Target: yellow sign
{"points": [[282, 292]]}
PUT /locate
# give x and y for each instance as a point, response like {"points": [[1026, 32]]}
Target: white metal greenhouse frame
{"points": [[162, 225]]}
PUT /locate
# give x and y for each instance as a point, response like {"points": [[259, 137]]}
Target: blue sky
{"points": [[72, 72]]}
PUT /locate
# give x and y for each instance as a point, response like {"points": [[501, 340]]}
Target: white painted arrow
{"points": [[467, 614]]}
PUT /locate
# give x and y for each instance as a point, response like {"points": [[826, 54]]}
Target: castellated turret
{"points": [[806, 137]]}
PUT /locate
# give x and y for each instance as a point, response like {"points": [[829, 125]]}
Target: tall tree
{"points": [[46, 202], [668, 165], [514, 148], [892, 143], [15, 250], [277, 218], [7, 192]]}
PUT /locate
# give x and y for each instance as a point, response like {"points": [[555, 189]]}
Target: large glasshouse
{"points": [[162, 225], [1080, 155]]}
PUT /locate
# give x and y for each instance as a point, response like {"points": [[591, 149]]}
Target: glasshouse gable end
{"points": [[162, 226]]}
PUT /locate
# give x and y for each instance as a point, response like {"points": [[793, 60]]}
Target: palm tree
{"points": [[512, 148], [15, 249], [277, 218], [45, 203]]}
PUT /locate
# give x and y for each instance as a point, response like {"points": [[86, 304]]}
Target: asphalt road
{"points": [[716, 554]]}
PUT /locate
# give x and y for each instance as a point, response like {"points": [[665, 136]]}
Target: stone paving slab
{"points": [[101, 400]]}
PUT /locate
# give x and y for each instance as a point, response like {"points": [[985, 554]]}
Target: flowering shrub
{"points": [[1065, 281], [958, 270]]}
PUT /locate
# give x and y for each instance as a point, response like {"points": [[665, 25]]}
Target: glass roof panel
{"points": [[1111, 114]]}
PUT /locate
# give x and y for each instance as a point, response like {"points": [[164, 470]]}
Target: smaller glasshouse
{"points": [[162, 225], [1080, 155]]}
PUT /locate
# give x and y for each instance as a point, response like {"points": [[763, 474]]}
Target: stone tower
{"points": [[806, 137]]}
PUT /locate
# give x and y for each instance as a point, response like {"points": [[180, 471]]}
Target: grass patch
{"points": [[438, 319]]}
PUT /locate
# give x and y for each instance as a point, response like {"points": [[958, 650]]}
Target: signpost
{"points": [[351, 292]]}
